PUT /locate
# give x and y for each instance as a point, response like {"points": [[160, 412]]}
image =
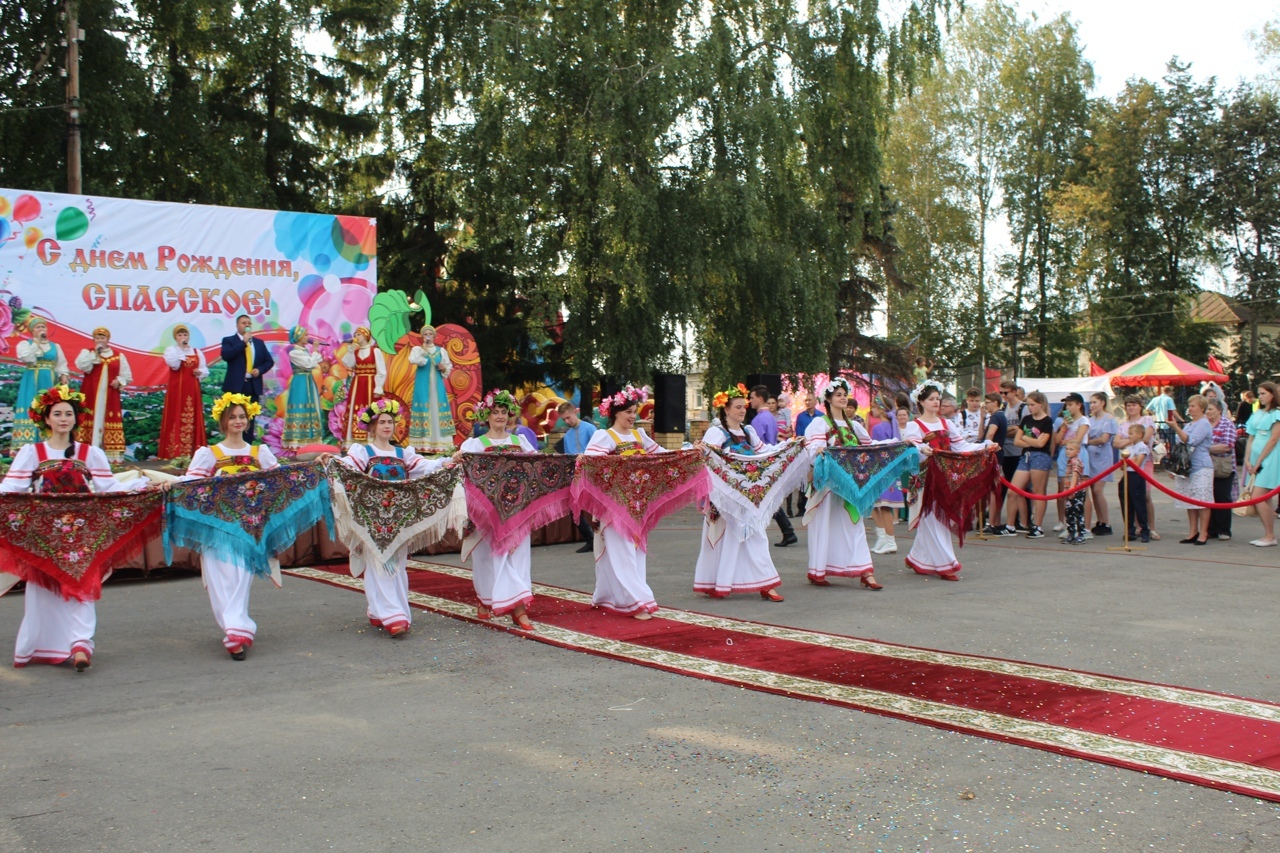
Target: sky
{"points": [[1136, 38]]}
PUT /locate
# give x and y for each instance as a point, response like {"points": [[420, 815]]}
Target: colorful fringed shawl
{"points": [[634, 493], [376, 517], [509, 494], [246, 519], [955, 484], [66, 543], [859, 475], [750, 488]]}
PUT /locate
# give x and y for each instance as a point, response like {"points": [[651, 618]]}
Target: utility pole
{"points": [[74, 35]]}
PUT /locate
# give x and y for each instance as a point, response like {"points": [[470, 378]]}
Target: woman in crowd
{"points": [[1134, 414], [386, 587], [837, 543], [1198, 436], [303, 424], [55, 628], [105, 373], [1262, 460], [1033, 435], [229, 584], [182, 424], [1222, 455], [932, 552], [503, 582], [730, 564], [44, 365], [1098, 441], [621, 568], [892, 499]]}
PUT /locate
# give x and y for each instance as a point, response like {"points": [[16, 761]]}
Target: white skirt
{"points": [[932, 552], [1199, 486], [387, 593], [837, 546], [53, 629], [229, 586], [731, 565], [504, 582], [621, 572]]}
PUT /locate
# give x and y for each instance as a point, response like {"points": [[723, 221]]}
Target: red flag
{"points": [[1215, 365], [1095, 370]]}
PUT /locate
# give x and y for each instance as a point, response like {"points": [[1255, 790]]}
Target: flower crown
{"points": [[624, 399], [497, 398], [251, 408], [50, 398], [385, 406], [836, 384], [919, 391], [719, 401]]}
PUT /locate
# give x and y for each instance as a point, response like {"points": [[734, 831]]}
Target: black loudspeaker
{"points": [[772, 381], [668, 402]]}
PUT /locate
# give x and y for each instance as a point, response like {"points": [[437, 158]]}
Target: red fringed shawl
{"points": [[509, 494], [634, 493], [68, 543], [955, 484]]}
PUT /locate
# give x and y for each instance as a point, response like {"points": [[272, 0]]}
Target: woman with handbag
{"points": [[1223, 454], [1197, 482], [1262, 462]]}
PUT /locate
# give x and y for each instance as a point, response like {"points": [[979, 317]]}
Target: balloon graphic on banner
{"points": [[72, 223], [4, 206], [26, 208], [32, 236], [5, 230]]}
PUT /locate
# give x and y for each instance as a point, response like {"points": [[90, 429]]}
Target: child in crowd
{"points": [[1075, 503], [1137, 487], [921, 370]]}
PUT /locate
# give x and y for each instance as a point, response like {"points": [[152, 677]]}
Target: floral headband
{"points": [[50, 398], [497, 398], [251, 408], [719, 401], [624, 399], [921, 390], [835, 385], [385, 406]]}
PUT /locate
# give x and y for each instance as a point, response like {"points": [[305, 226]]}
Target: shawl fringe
{"points": [[415, 535], [726, 476], [859, 475], [589, 496], [954, 485]]}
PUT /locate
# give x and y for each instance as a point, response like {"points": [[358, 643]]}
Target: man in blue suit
{"points": [[247, 359]]}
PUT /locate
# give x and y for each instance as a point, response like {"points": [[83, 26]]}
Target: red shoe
{"points": [[236, 652], [398, 631], [869, 581], [950, 576], [819, 581], [483, 612], [522, 622], [80, 660], [771, 595], [715, 593]]}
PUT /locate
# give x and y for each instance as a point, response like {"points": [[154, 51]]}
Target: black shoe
{"points": [[1035, 533], [991, 530], [1102, 530], [586, 548], [789, 539], [1008, 531], [1019, 527]]}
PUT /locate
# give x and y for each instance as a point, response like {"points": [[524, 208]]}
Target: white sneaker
{"points": [[1088, 534], [879, 543], [1065, 534], [890, 546], [1059, 527]]}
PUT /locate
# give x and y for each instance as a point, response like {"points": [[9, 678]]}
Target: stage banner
{"points": [[139, 268]]}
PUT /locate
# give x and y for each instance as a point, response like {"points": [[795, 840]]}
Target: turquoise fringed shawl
{"points": [[859, 475], [246, 519]]}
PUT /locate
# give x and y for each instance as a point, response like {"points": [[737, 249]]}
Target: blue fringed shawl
{"points": [[246, 519], [859, 475]]}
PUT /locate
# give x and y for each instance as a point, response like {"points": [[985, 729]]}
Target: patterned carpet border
{"points": [[1189, 766]]}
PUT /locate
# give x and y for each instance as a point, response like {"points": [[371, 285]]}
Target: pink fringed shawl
{"points": [[634, 493], [510, 494]]}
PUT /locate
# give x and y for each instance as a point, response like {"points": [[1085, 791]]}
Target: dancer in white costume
{"points": [[932, 553], [726, 563], [621, 570], [227, 583], [503, 582], [386, 587], [53, 628], [837, 543]]}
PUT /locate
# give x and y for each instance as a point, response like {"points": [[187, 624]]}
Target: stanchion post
{"points": [[1124, 472]]}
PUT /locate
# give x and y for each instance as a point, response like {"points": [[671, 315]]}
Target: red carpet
{"points": [[1206, 738]]}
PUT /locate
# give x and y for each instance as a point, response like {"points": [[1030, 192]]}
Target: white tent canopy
{"points": [[1055, 389]]}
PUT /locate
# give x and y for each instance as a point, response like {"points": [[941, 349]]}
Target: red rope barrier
{"points": [[1202, 504], [1079, 486]]}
